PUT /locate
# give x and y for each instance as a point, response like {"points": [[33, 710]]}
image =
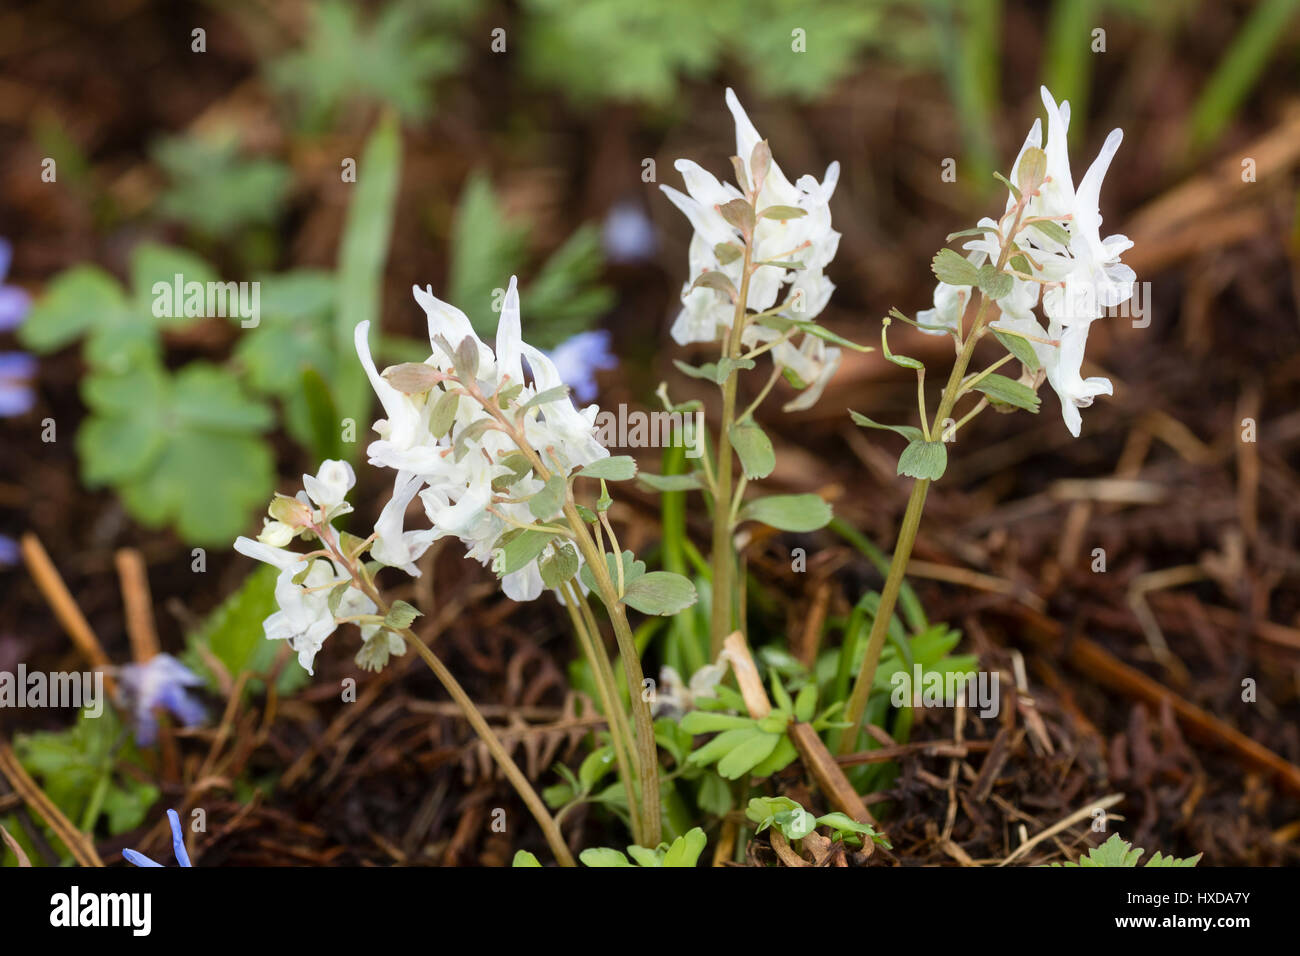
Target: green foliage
{"points": [[795, 822], [953, 268], [1007, 391], [683, 851], [395, 58], [166, 442], [923, 459], [233, 634], [609, 49], [213, 189], [1119, 852], [487, 246], [291, 355], [363, 251], [84, 771], [798, 513], [119, 326]]}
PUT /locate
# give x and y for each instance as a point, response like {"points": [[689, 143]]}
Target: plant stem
{"points": [[493, 743], [550, 829], [721, 614], [602, 673], [915, 505], [647, 754]]}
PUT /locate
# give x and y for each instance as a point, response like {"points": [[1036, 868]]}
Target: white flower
{"points": [[393, 546], [706, 315], [331, 484], [304, 618], [1075, 281], [676, 698], [454, 475]]}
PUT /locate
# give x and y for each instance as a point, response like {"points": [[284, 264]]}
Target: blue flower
{"points": [[159, 682], [578, 358], [14, 302], [178, 846], [16, 396]]}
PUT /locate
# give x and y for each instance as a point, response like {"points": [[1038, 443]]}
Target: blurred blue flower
{"points": [[578, 358], [159, 682], [178, 846], [9, 552], [627, 234], [17, 369], [14, 302]]}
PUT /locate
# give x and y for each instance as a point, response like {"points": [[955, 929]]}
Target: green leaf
{"points": [[747, 754], [1020, 347], [546, 503], [524, 858], [167, 442], [234, 635], [923, 459], [1008, 391], [75, 301], [754, 449], [603, 856], [707, 722], [660, 592], [799, 513], [716, 281], [954, 268], [392, 58], [738, 213], [1032, 170], [686, 849], [522, 549], [782, 213], [976, 231], [401, 615], [1052, 230], [613, 468], [805, 704], [910, 432], [689, 482], [560, 566], [782, 755], [993, 283], [546, 397], [444, 414], [213, 189]]}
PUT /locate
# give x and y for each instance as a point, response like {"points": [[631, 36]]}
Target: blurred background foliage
{"points": [[489, 139]]}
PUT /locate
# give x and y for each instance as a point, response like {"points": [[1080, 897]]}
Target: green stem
{"points": [[647, 754], [523, 787], [721, 619], [602, 673], [911, 522]]}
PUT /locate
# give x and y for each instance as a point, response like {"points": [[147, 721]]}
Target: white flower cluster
{"points": [[468, 477], [808, 239], [302, 590], [1079, 273], [465, 478]]}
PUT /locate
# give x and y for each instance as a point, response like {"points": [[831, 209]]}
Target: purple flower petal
{"points": [[578, 358], [14, 306]]}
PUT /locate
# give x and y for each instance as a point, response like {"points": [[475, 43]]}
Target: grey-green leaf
{"points": [[660, 592], [753, 446], [954, 268], [799, 513], [923, 459]]}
